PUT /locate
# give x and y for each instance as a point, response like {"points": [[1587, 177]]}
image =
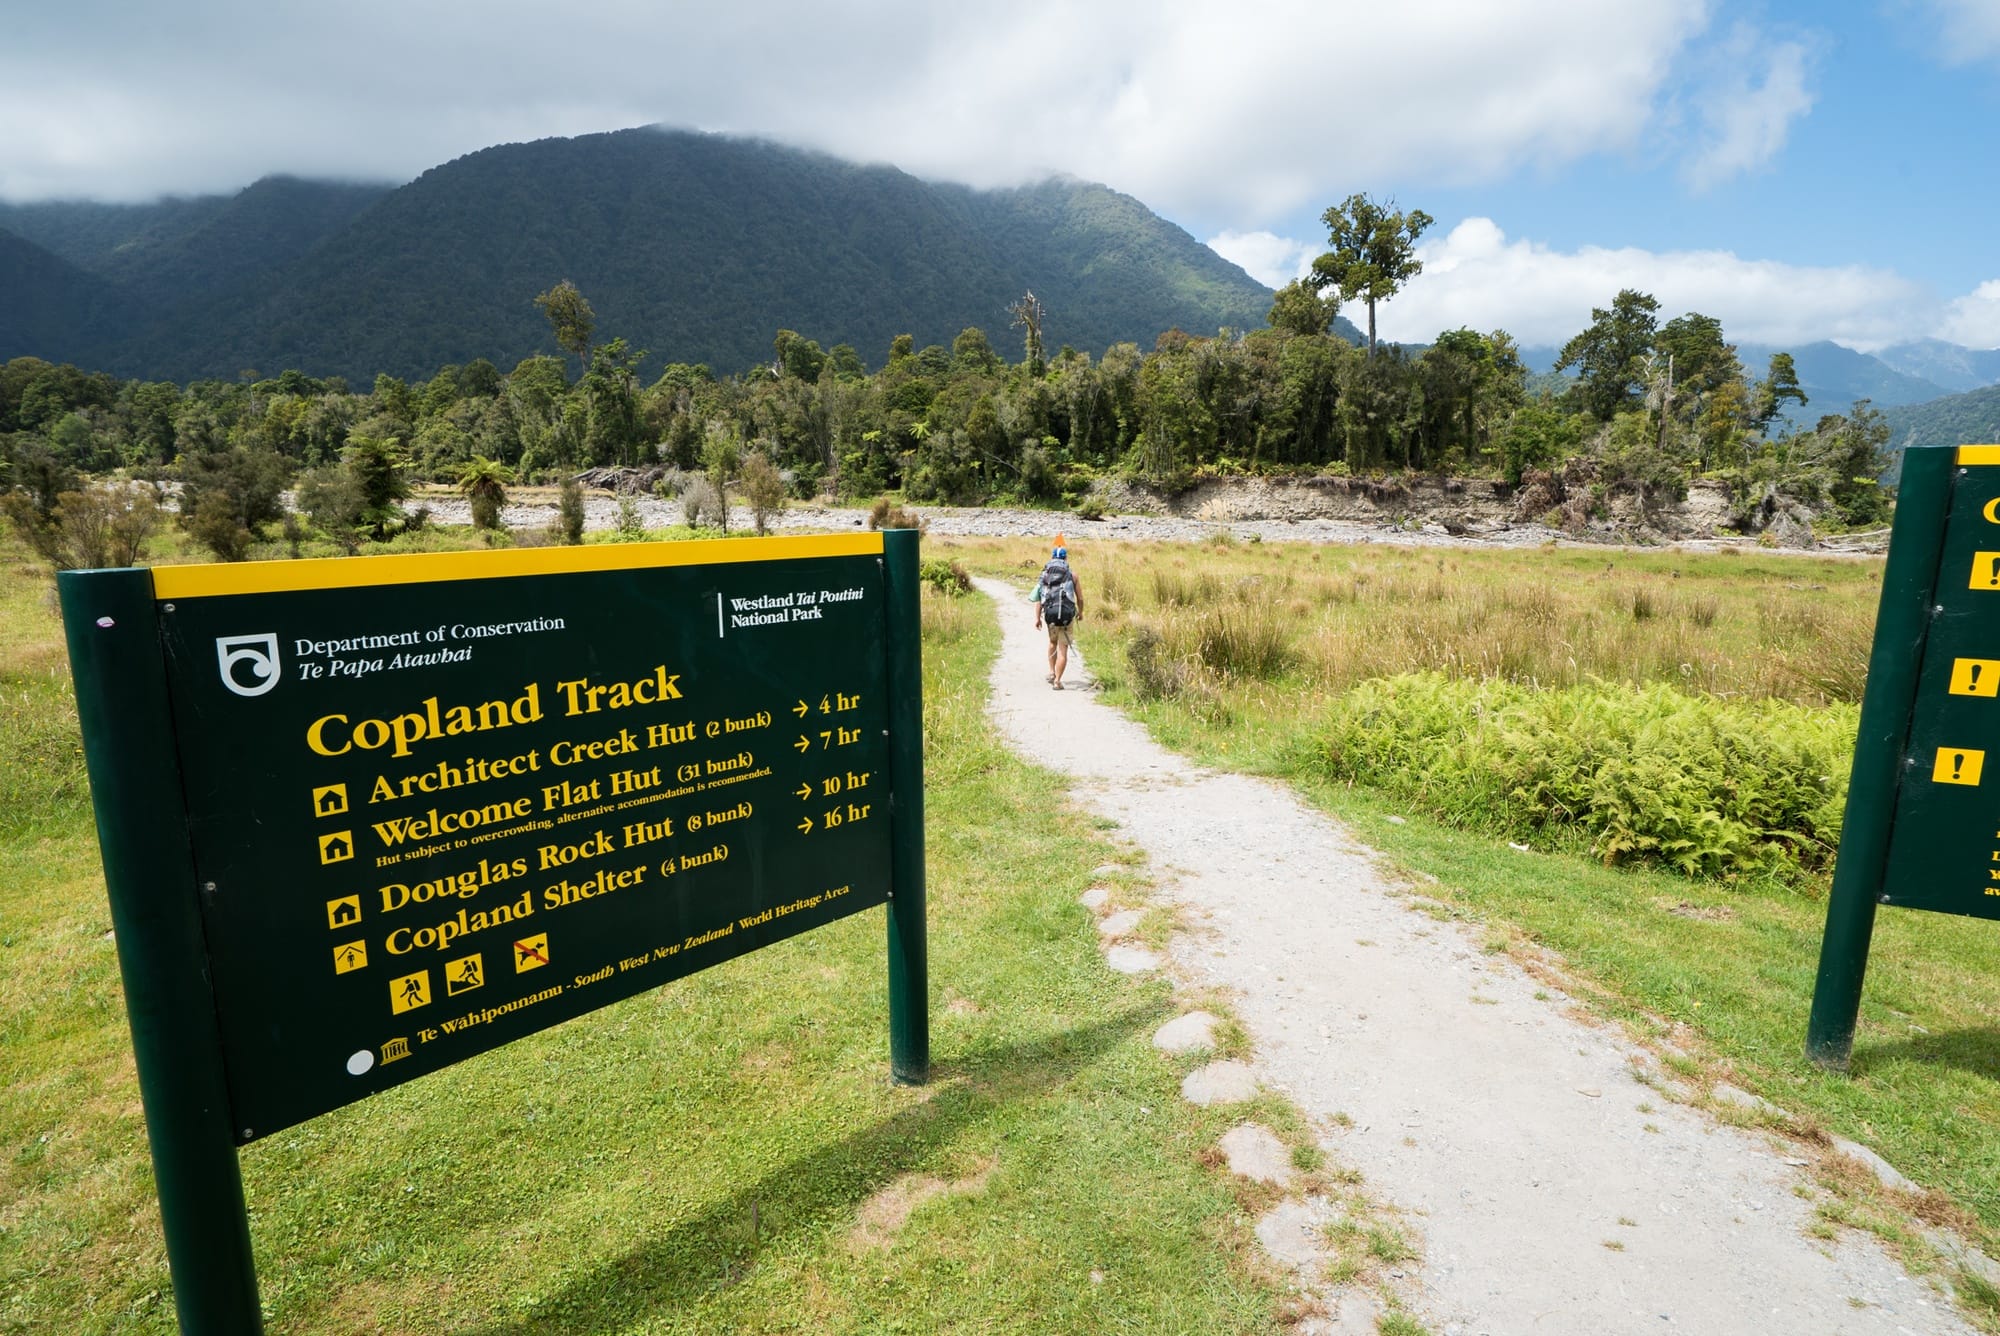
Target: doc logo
{"points": [[249, 663]]}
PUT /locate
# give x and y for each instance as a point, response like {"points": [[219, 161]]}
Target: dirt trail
{"points": [[1512, 1134]]}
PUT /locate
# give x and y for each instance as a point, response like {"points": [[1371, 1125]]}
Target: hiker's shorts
{"points": [[1059, 635]]}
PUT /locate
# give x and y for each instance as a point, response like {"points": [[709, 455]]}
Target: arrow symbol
{"points": [[800, 709], [801, 744], [805, 792], [806, 826]]}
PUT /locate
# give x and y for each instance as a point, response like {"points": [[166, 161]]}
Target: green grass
{"points": [[1721, 968], [697, 1159]]}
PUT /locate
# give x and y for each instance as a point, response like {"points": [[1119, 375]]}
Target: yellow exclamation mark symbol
{"points": [[1985, 570], [1958, 765], [1975, 677]]}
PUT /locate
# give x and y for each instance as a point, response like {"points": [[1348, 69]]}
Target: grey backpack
{"points": [[1058, 594]]}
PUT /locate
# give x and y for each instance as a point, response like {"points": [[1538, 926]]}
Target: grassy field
{"points": [[724, 1154], [1240, 655]]}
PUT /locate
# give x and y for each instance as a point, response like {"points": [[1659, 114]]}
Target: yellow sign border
{"points": [[1979, 454], [271, 577]]}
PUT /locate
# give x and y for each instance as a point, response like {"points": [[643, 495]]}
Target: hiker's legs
{"points": [[1058, 653]]}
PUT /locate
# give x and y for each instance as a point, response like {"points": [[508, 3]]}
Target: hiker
{"points": [[1058, 603]]}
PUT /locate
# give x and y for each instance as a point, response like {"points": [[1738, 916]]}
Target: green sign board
{"points": [[1944, 842], [1922, 826], [365, 818]]}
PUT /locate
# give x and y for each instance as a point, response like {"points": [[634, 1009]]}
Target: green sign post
{"points": [[364, 818], [1921, 828]]}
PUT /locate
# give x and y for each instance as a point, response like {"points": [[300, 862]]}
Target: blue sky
{"points": [[1800, 171]]}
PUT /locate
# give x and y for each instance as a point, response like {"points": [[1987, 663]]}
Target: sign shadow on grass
{"points": [[689, 1261], [1975, 1049]]}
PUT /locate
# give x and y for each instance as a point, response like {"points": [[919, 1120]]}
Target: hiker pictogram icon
{"points": [[463, 975], [410, 992]]}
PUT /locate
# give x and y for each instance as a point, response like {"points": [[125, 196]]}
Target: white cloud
{"points": [[1974, 319], [1476, 276], [1270, 259], [1744, 124], [1229, 113], [1969, 30]]}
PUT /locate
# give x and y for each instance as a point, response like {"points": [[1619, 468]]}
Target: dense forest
{"points": [[1651, 403], [694, 246], [1962, 419]]}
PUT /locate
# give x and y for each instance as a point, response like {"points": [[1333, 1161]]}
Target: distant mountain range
{"points": [[1898, 380], [696, 247]]}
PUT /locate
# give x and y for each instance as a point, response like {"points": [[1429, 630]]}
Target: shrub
{"points": [[106, 524], [631, 525], [228, 496], [569, 511], [699, 503], [947, 577], [1644, 773], [763, 488], [886, 514]]}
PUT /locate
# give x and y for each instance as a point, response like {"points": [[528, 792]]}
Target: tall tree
{"points": [[1610, 356], [571, 318], [1028, 313], [1374, 252], [1779, 384]]}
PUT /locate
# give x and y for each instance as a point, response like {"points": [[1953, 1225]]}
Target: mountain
{"points": [[1972, 418], [91, 235], [1948, 365], [1832, 376], [53, 308], [695, 247]]}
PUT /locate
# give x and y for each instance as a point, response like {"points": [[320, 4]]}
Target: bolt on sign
{"points": [[422, 806], [1922, 824]]}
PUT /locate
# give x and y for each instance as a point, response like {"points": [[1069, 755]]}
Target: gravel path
{"points": [[1548, 1201]]}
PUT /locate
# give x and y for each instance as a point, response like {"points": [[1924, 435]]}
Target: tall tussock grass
{"points": [[1745, 627]]}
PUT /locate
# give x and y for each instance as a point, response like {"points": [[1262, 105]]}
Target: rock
{"points": [[1219, 1083], [1735, 1098], [1787, 530], [1885, 1173], [1119, 924], [1185, 1034], [1254, 1152], [1964, 1256], [1294, 1232], [1131, 959], [1094, 898], [1106, 870]]}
